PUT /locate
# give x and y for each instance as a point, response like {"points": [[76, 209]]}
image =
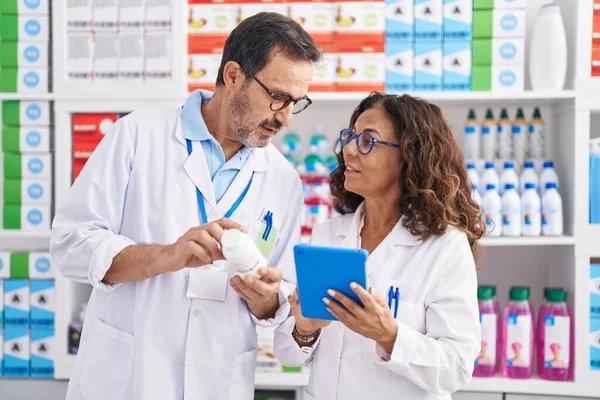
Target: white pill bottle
{"points": [[239, 249]]}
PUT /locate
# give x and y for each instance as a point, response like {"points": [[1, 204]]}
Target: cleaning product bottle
{"points": [[555, 341], [499, 326], [531, 211], [291, 145], [529, 176], [489, 177], [486, 362], [552, 213], [540, 326], [509, 175], [489, 130], [537, 138], [318, 142], [519, 130], [595, 179], [548, 175], [239, 249], [471, 138], [472, 172], [476, 196], [492, 211], [504, 136], [511, 211], [517, 335]]}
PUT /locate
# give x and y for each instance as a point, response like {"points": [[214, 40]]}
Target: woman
{"points": [[402, 188]]}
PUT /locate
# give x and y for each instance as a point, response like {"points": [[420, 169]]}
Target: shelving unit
{"points": [[567, 113]]}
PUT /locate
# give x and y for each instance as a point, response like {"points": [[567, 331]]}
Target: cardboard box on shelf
{"points": [[594, 344], [510, 51], [25, 7], [360, 21], [203, 70], [15, 27], [93, 125], [458, 19], [457, 66], [131, 14], [78, 15], [596, 62], [159, 14], [498, 23], [105, 15], [595, 290], [25, 191], [131, 56], [500, 4], [16, 166], [42, 353], [17, 306], [399, 20], [158, 55], [249, 8], [25, 113], [24, 80], [106, 56], [360, 67], [16, 352], [498, 78], [31, 265], [316, 17], [43, 304], [211, 21], [80, 56], [324, 74], [429, 18], [428, 65], [4, 274], [23, 54], [26, 217], [400, 68], [28, 139]]}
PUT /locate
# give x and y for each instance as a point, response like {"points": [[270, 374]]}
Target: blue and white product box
{"points": [[458, 19], [595, 344], [595, 291], [1, 308], [29, 113], [399, 19], [16, 352], [16, 303], [400, 67], [41, 266], [1, 345], [43, 304], [42, 353], [429, 18], [4, 271], [457, 65], [428, 65]]}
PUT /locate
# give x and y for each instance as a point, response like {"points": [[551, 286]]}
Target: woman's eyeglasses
{"points": [[364, 141], [279, 101]]}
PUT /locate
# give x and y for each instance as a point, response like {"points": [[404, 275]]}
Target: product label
{"points": [[536, 140], [510, 216], [531, 215], [487, 354], [518, 341], [557, 340], [550, 216]]}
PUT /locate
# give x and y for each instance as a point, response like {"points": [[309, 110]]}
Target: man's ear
{"points": [[232, 74]]}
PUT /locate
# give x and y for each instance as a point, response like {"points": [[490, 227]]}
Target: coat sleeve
{"points": [[85, 231], [283, 255], [441, 361]]}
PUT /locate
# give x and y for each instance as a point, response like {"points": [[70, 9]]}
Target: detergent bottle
{"points": [[471, 138], [555, 342], [519, 132], [489, 130], [492, 211], [517, 335], [504, 136], [486, 362]]}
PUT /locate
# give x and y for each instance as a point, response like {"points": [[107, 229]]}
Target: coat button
{"points": [[197, 313]]}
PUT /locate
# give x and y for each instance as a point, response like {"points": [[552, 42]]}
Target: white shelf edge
{"points": [[27, 96], [24, 240], [528, 241], [281, 380]]}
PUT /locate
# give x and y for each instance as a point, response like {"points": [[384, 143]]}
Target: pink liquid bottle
{"points": [[555, 342], [517, 335], [486, 362], [540, 327]]}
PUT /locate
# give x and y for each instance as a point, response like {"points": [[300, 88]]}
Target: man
{"points": [[168, 318]]}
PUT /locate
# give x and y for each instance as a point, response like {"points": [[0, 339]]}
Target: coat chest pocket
{"points": [[402, 300]]}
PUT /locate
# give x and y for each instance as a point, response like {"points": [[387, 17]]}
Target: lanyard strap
{"points": [[235, 205]]}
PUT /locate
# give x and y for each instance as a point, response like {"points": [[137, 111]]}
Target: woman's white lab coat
{"points": [[438, 321], [147, 340]]}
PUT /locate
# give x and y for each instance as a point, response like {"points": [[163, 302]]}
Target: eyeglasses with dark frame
{"points": [[279, 101], [364, 141]]}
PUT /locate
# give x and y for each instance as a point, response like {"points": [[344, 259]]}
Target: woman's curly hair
{"points": [[435, 189]]}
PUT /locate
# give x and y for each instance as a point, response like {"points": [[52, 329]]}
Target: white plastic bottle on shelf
{"points": [[239, 249], [529, 176], [489, 130], [504, 136], [475, 195], [531, 211], [471, 137], [473, 175], [548, 175], [552, 212], [489, 176], [511, 211], [519, 136], [537, 136], [509, 175], [492, 211]]}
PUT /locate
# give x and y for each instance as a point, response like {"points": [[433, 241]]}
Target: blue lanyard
{"points": [[235, 205]]}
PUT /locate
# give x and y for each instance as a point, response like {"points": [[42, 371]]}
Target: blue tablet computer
{"points": [[319, 269]]}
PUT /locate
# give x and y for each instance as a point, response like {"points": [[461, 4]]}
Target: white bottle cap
{"points": [[236, 246]]}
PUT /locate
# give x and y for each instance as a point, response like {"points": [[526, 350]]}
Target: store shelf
{"points": [[26, 96], [528, 241], [461, 97], [530, 386], [21, 240], [280, 380]]}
